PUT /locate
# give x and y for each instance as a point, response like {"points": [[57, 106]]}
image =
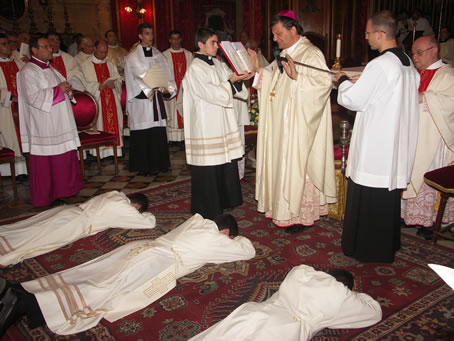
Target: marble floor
{"points": [[98, 181]]}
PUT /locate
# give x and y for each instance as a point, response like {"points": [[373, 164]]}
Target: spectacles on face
{"points": [[44, 46], [419, 53]]}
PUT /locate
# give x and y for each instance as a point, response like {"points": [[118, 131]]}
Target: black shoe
{"points": [[7, 313], [21, 178], [57, 202], [142, 174], [295, 229], [424, 232]]}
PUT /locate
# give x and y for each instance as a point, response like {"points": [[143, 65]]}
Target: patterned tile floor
{"points": [[102, 180]]}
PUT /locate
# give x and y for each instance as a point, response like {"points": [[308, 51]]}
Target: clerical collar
{"points": [[148, 51], [6, 59], [57, 54], [176, 51], [293, 47], [97, 61], [438, 64], [205, 58], [404, 59], [38, 62]]}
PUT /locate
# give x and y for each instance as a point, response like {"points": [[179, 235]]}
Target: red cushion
{"points": [[441, 179], [84, 110], [6, 153], [87, 139]]}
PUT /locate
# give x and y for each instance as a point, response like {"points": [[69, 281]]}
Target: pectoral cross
{"points": [[272, 95]]}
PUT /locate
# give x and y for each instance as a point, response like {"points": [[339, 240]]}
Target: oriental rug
{"points": [[416, 303]]}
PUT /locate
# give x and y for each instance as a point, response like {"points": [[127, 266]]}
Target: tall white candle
{"points": [[338, 47]]}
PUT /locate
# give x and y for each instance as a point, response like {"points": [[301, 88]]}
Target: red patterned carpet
{"points": [[417, 305]]}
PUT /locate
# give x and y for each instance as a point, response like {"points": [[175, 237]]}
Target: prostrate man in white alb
{"points": [[103, 81], [62, 225], [295, 177], [47, 127], [435, 148], [148, 149], [124, 280], [179, 60], [211, 132], [307, 302], [9, 67], [86, 49], [383, 144], [65, 63]]}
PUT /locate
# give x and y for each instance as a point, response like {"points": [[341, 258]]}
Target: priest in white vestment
{"points": [[306, 302], [383, 144], [179, 60], [435, 147], [115, 54], [211, 132], [48, 129], [148, 149], [134, 275], [295, 177], [62, 225], [9, 131], [86, 49], [103, 81], [65, 63]]}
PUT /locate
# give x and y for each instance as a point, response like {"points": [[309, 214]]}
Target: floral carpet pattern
{"points": [[416, 303]]}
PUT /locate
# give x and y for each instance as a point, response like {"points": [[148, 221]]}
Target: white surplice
{"points": [[307, 302], [62, 225], [211, 132], [140, 111], [173, 132], [46, 129], [132, 276], [92, 85], [7, 126], [73, 73], [383, 143]]}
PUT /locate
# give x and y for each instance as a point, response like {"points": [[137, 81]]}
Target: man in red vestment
{"points": [[435, 147], [103, 81], [65, 63], [47, 126], [9, 120], [179, 60]]}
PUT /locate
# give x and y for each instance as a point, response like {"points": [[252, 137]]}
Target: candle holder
{"points": [[344, 142], [337, 64]]}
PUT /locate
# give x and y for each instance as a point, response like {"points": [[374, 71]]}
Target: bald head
{"points": [[425, 52], [86, 45], [101, 49]]}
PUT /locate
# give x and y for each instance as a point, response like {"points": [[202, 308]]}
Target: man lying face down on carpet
{"points": [[306, 302], [124, 280], [59, 226]]}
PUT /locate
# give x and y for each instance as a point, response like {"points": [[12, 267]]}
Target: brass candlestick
{"points": [[337, 62]]}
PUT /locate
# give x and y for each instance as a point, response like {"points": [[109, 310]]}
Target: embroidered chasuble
{"points": [[179, 69], [58, 64], [10, 71], [109, 109]]}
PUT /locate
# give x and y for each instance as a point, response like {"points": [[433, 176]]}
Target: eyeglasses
{"points": [[44, 46], [419, 53], [367, 33]]}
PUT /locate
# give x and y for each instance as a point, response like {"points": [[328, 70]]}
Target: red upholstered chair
{"points": [[7, 156], [442, 179], [86, 115]]}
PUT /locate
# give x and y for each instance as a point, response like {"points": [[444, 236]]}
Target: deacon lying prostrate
{"points": [[306, 302], [124, 280], [62, 225]]}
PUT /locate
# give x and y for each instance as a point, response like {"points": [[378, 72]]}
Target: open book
{"points": [[156, 77], [237, 56]]}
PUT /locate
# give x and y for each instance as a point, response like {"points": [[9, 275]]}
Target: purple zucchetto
{"points": [[289, 14]]}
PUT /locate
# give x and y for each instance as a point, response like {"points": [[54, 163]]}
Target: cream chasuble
{"points": [[62, 225], [295, 137], [435, 146], [132, 276], [106, 109], [117, 56]]}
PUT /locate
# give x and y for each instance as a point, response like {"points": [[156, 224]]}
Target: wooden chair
{"points": [[7, 156], [442, 179], [86, 115]]}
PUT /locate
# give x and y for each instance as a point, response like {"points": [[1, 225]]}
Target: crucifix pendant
{"points": [[272, 95]]}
